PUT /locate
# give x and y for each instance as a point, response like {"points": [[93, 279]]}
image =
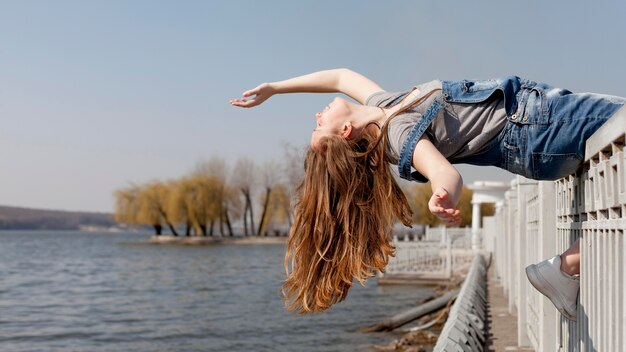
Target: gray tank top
{"points": [[459, 130]]}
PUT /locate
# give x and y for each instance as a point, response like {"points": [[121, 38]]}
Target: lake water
{"points": [[72, 291]]}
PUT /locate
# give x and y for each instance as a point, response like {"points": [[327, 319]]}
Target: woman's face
{"points": [[333, 120]]}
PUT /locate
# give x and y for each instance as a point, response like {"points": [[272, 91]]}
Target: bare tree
{"points": [[270, 177], [217, 168], [278, 210], [243, 180], [214, 166], [232, 206], [293, 165]]}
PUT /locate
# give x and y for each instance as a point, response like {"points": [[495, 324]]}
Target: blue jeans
{"points": [[544, 137], [545, 140]]}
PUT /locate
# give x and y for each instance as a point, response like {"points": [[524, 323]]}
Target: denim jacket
{"points": [[545, 131]]}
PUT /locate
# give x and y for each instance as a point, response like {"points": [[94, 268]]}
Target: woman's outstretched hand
{"points": [[443, 208], [255, 96]]}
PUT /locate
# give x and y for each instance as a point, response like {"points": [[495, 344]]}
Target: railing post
{"points": [[510, 245], [591, 205], [476, 238], [489, 231], [428, 233], [500, 238], [523, 187], [513, 249], [547, 239], [444, 234], [449, 257]]}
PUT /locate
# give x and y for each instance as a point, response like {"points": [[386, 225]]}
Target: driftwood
{"points": [[413, 313]]}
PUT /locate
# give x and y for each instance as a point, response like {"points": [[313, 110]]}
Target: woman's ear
{"points": [[346, 133]]}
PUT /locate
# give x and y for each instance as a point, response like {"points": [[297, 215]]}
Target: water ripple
{"points": [[69, 291]]}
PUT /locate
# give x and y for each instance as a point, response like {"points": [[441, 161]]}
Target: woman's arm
{"points": [[340, 80], [445, 180]]}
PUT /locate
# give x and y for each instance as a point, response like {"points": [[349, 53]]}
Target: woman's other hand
{"points": [[254, 96], [443, 208]]}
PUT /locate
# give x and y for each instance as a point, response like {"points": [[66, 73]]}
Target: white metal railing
{"points": [[447, 252], [465, 327], [440, 233], [541, 219], [420, 258]]}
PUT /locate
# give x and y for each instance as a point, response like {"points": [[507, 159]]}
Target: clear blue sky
{"points": [[97, 94]]}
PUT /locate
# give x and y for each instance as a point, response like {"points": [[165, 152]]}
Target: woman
{"points": [[348, 200]]}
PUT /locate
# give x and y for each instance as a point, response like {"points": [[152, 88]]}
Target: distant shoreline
{"points": [[201, 241], [17, 218]]}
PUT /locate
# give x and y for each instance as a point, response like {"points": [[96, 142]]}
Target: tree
{"points": [[278, 210], [153, 199], [127, 205], [232, 206], [487, 209], [243, 180], [217, 168], [465, 206], [270, 177], [204, 203], [180, 203], [294, 173]]}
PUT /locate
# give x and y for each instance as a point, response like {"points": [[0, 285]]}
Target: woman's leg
{"points": [[570, 259]]}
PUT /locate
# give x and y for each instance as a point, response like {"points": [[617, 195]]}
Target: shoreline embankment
{"points": [[204, 241]]}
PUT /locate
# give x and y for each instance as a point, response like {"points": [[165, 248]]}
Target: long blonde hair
{"points": [[344, 212], [343, 216]]}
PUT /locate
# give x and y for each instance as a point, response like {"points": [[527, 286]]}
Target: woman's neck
{"points": [[364, 115]]}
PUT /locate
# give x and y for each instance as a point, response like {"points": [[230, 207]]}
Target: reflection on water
{"points": [[71, 291]]}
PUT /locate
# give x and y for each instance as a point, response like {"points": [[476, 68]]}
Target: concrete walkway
{"points": [[501, 325]]}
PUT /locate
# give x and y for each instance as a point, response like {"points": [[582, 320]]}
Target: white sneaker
{"points": [[559, 287]]}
